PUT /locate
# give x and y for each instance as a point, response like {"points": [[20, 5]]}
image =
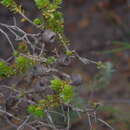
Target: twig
{"points": [[102, 121], [46, 125], [89, 121], [24, 123], [68, 119], [84, 60], [25, 17], [105, 123], [16, 118], [9, 114], [11, 44], [50, 119]]}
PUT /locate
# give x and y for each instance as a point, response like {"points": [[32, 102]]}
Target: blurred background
{"points": [[98, 30]]}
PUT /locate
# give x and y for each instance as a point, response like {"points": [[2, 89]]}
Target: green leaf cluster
{"points": [[58, 2], [5, 70], [51, 17], [22, 47], [56, 84], [42, 3], [69, 53], [36, 110], [51, 60], [12, 5], [63, 89], [64, 94], [51, 101], [19, 66], [23, 63], [37, 21], [6, 2], [67, 93]]}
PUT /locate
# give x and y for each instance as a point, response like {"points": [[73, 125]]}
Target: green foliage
{"points": [[23, 64], [22, 47], [37, 21], [42, 3], [16, 53], [67, 93], [51, 101], [20, 65], [51, 60], [31, 108], [64, 90], [69, 53], [11, 4], [6, 2], [58, 2], [56, 84], [52, 18], [5, 70], [63, 96], [36, 110]]}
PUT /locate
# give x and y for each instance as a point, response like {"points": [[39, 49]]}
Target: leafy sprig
{"points": [[51, 17], [64, 94], [6, 70]]}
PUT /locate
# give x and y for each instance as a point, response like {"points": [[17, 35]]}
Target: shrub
{"points": [[53, 91]]}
